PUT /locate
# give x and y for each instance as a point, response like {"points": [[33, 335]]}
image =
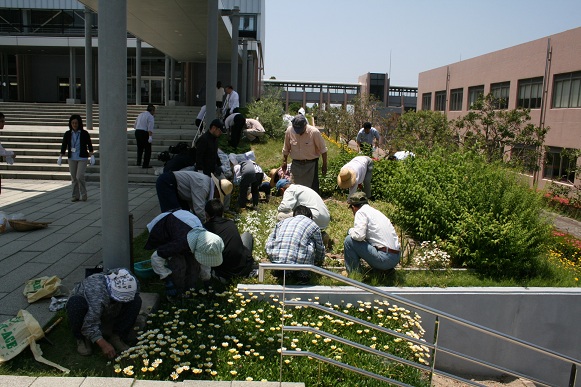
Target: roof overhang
{"points": [[178, 28]]}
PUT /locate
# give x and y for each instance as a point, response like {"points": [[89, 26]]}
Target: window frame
{"points": [[501, 91], [526, 89], [562, 84], [427, 101], [440, 100], [456, 99], [474, 92]]}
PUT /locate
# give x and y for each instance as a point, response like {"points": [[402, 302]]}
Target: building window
{"points": [[567, 90], [247, 26], [427, 101], [560, 165], [501, 91], [456, 96], [474, 92], [377, 85], [440, 101], [530, 93]]}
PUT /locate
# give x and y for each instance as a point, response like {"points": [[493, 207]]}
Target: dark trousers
{"points": [[121, 322], [236, 130], [250, 179], [167, 193], [142, 137]]}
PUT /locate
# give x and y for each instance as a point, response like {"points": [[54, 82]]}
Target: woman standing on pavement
{"points": [[77, 142]]}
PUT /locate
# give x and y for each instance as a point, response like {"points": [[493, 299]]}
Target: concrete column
{"points": [[166, 81], [244, 82], [138, 72], [113, 133], [182, 88], [172, 85], [25, 21], [251, 72], [235, 19], [211, 59], [72, 77], [88, 69]]}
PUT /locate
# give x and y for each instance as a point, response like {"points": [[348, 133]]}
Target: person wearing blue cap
{"points": [[305, 145]]}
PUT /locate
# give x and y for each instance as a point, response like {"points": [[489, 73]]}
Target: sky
{"points": [[339, 40]]}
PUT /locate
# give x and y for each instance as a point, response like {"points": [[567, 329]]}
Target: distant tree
{"points": [[269, 111], [421, 130]]}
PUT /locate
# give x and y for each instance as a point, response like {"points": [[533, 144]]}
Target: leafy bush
{"points": [[269, 111], [478, 212]]}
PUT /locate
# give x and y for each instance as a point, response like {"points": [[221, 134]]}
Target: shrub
{"points": [[480, 213], [269, 111]]}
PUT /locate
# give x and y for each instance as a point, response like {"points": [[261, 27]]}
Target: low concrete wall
{"points": [[547, 317]]}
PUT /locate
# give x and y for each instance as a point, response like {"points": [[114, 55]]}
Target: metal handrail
{"points": [[439, 314]]}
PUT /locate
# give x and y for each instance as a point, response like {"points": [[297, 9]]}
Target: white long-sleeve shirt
{"points": [[299, 195], [372, 226]]}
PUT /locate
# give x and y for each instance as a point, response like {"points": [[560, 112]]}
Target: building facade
{"points": [[42, 55], [543, 75]]}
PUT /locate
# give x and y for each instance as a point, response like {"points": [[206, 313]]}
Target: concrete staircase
{"points": [[37, 142]]}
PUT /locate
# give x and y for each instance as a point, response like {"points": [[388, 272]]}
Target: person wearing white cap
{"points": [[112, 296], [356, 172], [207, 248]]}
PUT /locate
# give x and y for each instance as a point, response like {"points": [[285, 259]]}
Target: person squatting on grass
{"points": [[296, 240], [104, 298], [184, 251], [372, 237]]}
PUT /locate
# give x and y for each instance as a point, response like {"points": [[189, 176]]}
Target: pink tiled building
{"points": [[519, 75]]}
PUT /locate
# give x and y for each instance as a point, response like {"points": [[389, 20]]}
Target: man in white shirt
{"points": [[372, 237], [144, 135], [298, 195], [357, 171], [232, 102]]}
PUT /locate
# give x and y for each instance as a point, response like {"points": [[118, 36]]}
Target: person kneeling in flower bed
{"points": [[296, 240], [372, 237], [111, 297], [185, 251]]}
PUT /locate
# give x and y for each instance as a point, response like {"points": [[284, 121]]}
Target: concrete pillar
{"points": [[113, 133], [138, 72], [211, 59], [72, 77], [88, 70], [26, 21], [166, 81], [244, 82], [172, 85], [251, 72], [182, 89], [235, 19]]}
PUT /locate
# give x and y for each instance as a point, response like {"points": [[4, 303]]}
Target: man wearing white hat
{"points": [[357, 171], [112, 296], [207, 248]]}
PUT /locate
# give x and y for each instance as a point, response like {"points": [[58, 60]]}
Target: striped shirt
{"points": [[296, 240]]}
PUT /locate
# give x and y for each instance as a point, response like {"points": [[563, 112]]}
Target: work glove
{"points": [[92, 160], [60, 160], [150, 139]]}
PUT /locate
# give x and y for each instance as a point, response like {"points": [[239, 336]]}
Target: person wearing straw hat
{"points": [[111, 297], [372, 237], [356, 172]]}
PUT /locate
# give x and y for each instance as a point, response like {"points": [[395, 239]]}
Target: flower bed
{"points": [[231, 336]]}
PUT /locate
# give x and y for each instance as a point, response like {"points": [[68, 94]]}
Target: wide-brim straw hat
{"points": [[224, 186], [346, 178], [273, 174]]}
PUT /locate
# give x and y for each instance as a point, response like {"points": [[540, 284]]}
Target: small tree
{"points": [[269, 111], [495, 132], [422, 130]]}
